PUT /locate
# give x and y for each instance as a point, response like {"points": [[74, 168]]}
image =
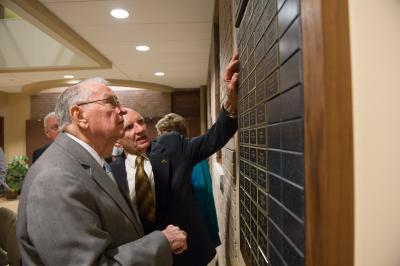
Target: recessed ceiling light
{"points": [[142, 48], [68, 76], [159, 74], [119, 13]]}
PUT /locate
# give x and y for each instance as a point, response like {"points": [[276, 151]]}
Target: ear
{"points": [[46, 132], [77, 116]]}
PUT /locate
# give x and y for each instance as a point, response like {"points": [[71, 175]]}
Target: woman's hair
{"points": [[172, 123]]}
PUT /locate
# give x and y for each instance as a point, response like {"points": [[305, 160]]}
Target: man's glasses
{"points": [[112, 100]]}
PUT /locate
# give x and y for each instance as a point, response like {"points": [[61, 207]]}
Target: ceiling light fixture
{"points": [[68, 76], [119, 13], [142, 48], [159, 74]]}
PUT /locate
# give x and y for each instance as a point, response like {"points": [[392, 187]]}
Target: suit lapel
{"points": [[105, 182], [160, 164], [101, 178], [119, 170]]}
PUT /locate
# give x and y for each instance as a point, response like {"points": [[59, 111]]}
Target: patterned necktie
{"points": [[144, 194]]}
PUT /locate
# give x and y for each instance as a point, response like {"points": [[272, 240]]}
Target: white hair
{"points": [[71, 96], [47, 118]]}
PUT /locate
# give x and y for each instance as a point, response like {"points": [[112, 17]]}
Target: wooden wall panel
{"points": [[35, 137], [187, 104], [328, 133], [2, 132]]}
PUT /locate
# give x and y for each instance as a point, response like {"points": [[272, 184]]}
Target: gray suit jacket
{"points": [[71, 213]]}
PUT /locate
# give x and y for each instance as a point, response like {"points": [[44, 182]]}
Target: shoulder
{"points": [[41, 149], [53, 181], [118, 162], [169, 136], [120, 159], [168, 141]]}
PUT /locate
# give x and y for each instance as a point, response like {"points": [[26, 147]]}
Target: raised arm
{"points": [[199, 148]]}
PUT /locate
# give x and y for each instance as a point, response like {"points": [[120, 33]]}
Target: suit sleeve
{"points": [[200, 148], [3, 167], [65, 228]]}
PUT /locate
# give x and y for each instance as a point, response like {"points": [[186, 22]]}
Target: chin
{"points": [[143, 147]]}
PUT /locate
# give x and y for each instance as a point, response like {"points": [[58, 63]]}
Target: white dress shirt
{"points": [[92, 152], [130, 174]]}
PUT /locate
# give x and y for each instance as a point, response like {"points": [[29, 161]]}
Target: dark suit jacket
{"points": [[36, 154], [172, 158], [71, 213]]}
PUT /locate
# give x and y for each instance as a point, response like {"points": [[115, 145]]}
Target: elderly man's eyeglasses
{"points": [[113, 101]]}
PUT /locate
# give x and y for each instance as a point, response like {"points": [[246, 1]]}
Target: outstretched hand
{"points": [[231, 77]]}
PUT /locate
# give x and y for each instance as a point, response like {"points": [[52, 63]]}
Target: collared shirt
{"points": [[131, 171], [92, 152]]}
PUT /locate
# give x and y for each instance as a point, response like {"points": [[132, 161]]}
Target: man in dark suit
{"points": [[71, 211], [50, 128], [168, 163]]}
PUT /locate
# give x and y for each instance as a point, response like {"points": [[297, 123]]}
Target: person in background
{"points": [[50, 128], [157, 175], [117, 151], [3, 173], [71, 211], [201, 178]]}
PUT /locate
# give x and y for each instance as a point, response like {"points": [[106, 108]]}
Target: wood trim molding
{"points": [[49, 68], [140, 84], [34, 88], [329, 174], [40, 16]]}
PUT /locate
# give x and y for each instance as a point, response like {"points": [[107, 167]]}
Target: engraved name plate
{"points": [[261, 138], [262, 157], [253, 136], [262, 179]]}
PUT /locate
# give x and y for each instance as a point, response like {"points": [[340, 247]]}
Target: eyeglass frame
{"points": [[113, 101]]}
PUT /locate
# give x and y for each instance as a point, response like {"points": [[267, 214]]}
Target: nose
{"points": [[121, 110], [138, 128]]}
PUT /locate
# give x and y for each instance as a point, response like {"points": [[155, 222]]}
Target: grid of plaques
{"points": [[271, 132]]}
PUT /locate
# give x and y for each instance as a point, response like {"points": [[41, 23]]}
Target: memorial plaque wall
{"points": [[271, 132]]}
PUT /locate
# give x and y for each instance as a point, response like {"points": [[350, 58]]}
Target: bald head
{"points": [[136, 139]]}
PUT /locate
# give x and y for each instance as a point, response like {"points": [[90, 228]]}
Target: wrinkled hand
{"points": [[231, 77], [176, 238]]}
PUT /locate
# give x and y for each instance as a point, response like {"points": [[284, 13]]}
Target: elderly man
{"points": [[50, 128], [71, 211], [157, 175]]}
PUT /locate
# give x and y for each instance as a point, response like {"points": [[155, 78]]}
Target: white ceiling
{"points": [[177, 31]]}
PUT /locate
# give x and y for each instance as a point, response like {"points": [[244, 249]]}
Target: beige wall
{"points": [[375, 44], [3, 103], [15, 110]]}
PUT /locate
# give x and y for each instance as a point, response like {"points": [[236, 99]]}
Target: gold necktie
{"points": [[144, 194]]}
